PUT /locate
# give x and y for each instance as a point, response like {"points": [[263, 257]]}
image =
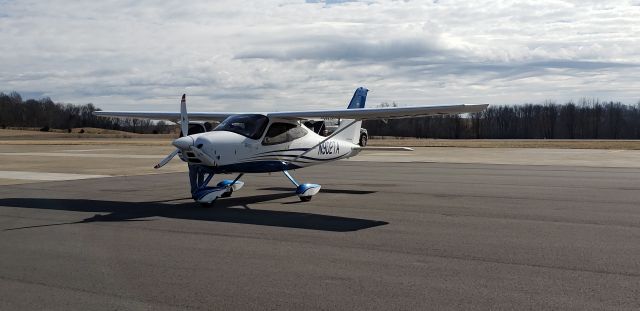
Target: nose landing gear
{"points": [[199, 178]]}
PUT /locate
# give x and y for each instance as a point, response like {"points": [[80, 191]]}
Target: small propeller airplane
{"points": [[272, 142]]}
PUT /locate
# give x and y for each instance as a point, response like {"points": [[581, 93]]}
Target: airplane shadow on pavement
{"points": [[323, 190], [224, 210]]}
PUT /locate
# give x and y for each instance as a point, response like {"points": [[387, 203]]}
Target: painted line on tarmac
{"points": [[24, 175], [84, 155], [87, 150]]}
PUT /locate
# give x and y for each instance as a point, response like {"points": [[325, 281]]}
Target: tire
{"points": [[227, 194], [306, 199], [207, 205], [363, 140]]}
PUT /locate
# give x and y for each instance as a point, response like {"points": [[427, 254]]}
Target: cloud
{"points": [[330, 2], [290, 54], [345, 49]]}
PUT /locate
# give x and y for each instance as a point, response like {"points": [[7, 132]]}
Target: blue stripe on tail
{"points": [[359, 98]]}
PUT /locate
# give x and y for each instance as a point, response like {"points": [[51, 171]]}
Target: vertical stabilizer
{"points": [[352, 134], [359, 98]]}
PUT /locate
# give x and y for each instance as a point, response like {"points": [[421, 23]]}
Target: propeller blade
{"points": [[184, 119], [167, 159]]}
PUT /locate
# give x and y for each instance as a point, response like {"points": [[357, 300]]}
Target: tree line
{"points": [[586, 119], [45, 114]]}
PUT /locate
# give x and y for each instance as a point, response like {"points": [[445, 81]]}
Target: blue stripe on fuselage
{"points": [[254, 167], [263, 166], [281, 150], [295, 157]]}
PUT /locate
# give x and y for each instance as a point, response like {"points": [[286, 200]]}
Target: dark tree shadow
{"points": [[225, 210]]}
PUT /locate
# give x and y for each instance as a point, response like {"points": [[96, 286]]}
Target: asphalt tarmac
{"points": [[380, 236]]}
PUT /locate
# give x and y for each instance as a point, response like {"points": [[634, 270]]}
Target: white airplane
{"points": [[272, 142]]}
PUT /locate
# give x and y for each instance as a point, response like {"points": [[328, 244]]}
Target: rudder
{"points": [[352, 134], [359, 98]]}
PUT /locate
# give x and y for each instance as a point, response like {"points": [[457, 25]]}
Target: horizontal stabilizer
{"points": [[386, 149]]}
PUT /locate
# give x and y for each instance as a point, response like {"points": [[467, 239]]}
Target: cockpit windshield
{"points": [[248, 125]]}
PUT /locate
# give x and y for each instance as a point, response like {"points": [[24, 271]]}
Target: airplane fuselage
{"points": [[222, 151]]}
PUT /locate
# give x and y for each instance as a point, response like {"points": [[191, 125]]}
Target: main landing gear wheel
{"points": [[306, 199], [363, 140], [227, 194], [304, 191], [207, 205]]}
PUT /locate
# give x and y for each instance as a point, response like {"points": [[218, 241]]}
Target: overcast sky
{"points": [[283, 55]]}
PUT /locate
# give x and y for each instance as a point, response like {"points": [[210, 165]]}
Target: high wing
{"points": [[380, 113], [357, 114], [165, 115]]}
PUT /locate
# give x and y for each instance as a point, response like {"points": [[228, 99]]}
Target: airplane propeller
{"points": [[167, 159], [184, 126], [184, 118]]}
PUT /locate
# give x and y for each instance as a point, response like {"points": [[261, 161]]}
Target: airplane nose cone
{"points": [[183, 142]]}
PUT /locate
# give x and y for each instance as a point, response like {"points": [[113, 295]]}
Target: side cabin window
{"points": [[280, 133], [317, 126]]}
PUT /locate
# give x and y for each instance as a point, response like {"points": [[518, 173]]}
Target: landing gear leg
{"points": [[304, 191], [199, 178]]}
